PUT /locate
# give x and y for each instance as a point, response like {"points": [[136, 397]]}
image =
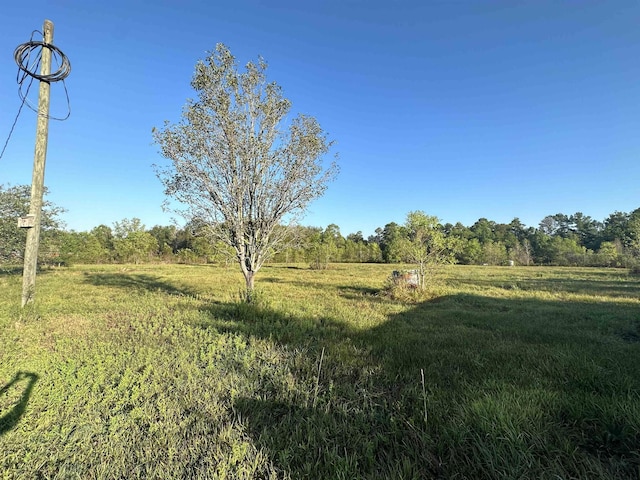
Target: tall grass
{"points": [[158, 372]]}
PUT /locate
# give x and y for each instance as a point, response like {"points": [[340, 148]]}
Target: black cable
{"points": [[15, 121], [23, 52], [28, 68]]}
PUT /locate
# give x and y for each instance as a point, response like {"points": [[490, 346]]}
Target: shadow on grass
{"points": [[513, 388], [311, 442], [608, 287], [10, 270], [22, 384], [350, 291], [136, 282], [16, 270]]}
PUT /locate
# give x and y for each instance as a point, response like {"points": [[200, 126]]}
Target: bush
{"points": [[187, 256], [399, 286], [318, 264]]}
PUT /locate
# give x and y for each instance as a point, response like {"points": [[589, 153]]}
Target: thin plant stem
{"points": [[315, 395]]}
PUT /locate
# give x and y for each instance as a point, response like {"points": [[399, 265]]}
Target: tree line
{"points": [[242, 170], [560, 239]]}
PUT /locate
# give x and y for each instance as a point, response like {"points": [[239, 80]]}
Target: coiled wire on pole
{"points": [[22, 55], [29, 63], [28, 66]]}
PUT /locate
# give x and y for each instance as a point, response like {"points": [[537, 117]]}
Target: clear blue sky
{"points": [[463, 109]]}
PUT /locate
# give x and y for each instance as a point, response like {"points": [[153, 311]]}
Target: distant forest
{"points": [[560, 239]]}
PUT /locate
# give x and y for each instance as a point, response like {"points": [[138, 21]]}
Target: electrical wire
{"points": [[23, 53], [15, 121], [27, 67]]}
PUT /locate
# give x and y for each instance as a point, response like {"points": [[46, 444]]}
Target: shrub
{"points": [[400, 286]]}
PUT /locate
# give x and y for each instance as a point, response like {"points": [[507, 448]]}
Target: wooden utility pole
{"points": [[37, 183]]}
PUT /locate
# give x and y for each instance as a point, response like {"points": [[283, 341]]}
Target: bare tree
{"points": [[237, 164]]}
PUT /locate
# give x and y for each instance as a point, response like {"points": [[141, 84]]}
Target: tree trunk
{"points": [[249, 277]]}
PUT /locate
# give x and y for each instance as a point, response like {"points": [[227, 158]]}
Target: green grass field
{"points": [[156, 371]]}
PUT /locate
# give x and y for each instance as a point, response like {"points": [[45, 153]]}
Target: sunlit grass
{"points": [[156, 371]]}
